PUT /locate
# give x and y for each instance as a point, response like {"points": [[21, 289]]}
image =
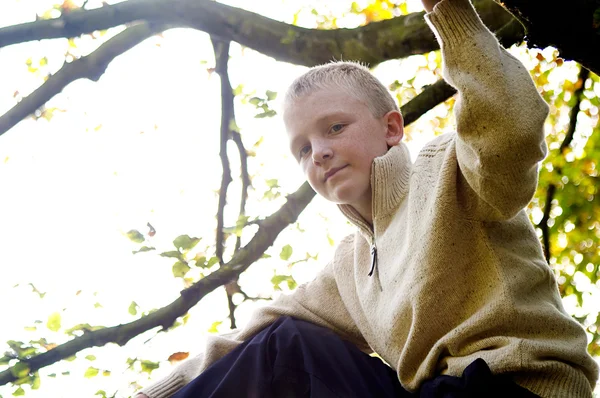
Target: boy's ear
{"points": [[395, 127]]}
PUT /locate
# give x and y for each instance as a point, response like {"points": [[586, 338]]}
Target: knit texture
{"points": [[460, 272]]}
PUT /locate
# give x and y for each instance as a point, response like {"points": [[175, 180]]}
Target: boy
{"points": [[445, 278]]}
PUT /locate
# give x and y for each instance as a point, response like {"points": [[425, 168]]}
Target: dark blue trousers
{"points": [[293, 358]]}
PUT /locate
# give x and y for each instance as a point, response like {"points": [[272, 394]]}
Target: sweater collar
{"points": [[389, 184]]}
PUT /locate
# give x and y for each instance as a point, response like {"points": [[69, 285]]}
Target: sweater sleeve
{"points": [[306, 303], [499, 113]]}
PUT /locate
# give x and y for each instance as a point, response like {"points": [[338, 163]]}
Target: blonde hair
{"points": [[352, 77]]}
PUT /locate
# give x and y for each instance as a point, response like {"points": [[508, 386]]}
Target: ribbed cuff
{"points": [[453, 21], [165, 387]]}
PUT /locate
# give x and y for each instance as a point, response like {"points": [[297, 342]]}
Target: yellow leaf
{"points": [[178, 356]]}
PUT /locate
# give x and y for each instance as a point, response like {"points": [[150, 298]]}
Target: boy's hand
{"points": [[429, 4]]}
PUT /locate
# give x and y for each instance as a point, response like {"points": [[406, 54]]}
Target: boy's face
{"points": [[335, 137]]}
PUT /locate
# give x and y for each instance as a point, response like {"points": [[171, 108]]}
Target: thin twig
{"points": [[221, 49]]}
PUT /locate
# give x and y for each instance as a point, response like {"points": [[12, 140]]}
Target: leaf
{"points": [[271, 95], [200, 260], [180, 269], [135, 236], [185, 243], [91, 372], [276, 280], [269, 113], [212, 261], [90, 357], [54, 322], [133, 308], [36, 382], [172, 254], [20, 369], [213, 327], [143, 249], [286, 252], [178, 356], [149, 366], [19, 392], [255, 101]]}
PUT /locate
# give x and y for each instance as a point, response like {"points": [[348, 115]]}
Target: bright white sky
{"points": [[138, 146]]}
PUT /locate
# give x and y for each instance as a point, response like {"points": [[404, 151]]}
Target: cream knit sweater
{"points": [[460, 272]]}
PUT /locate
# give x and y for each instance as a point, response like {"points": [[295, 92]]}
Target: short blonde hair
{"points": [[353, 77]]}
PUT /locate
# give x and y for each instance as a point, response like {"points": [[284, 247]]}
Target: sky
{"points": [[141, 146]]}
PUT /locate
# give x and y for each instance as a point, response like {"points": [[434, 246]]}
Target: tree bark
{"points": [[374, 43], [572, 27]]}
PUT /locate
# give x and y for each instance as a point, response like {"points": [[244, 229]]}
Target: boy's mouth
{"points": [[331, 172]]}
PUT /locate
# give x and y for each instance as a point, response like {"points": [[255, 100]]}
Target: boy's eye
{"points": [[336, 128], [303, 151]]}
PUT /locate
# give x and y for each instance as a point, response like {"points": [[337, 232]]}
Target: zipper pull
{"points": [[373, 258]]}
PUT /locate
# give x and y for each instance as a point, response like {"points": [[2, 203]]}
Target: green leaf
{"points": [[20, 369], [214, 326], [286, 252], [255, 101], [135, 236], [291, 282], [54, 322], [143, 249], [149, 366], [180, 269], [200, 261], [53, 375], [133, 308], [36, 382], [238, 90], [90, 357], [185, 243], [269, 113], [212, 261], [19, 392], [172, 254], [91, 372], [271, 95]]}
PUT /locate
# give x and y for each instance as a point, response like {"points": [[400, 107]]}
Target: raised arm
{"points": [[499, 113], [317, 302]]}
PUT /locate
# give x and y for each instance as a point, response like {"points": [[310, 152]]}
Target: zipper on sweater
{"points": [[373, 257]]}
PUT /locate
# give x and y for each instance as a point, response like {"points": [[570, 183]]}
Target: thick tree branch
{"points": [[579, 35], [166, 316], [90, 67], [551, 191], [374, 43]]}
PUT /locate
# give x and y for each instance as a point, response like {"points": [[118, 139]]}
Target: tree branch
{"points": [[90, 67], [374, 43], [578, 36], [245, 175], [221, 49]]}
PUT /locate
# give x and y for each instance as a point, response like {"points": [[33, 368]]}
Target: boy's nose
{"points": [[321, 153]]}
